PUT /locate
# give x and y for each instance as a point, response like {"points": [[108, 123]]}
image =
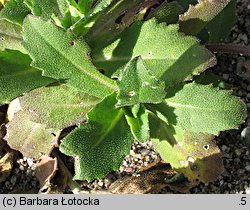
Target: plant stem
{"points": [[229, 48]]}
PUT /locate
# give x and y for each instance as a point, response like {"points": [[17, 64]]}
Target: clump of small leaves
{"points": [[118, 71]]}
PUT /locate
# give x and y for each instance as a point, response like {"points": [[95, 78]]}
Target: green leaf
{"points": [[208, 77], [137, 85], [161, 131], [99, 145], [167, 12], [31, 139], [46, 8], [10, 36], [199, 16], [111, 22], [81, 27], [100, 6], [17, 77], [57, 106], [139, 124], [220, 27], [84, 6], [164, 51], [70, 56], [91, 15], [73, 3], [193, 154], [15, 11], [72, 16], [135, 110], [62, 13], [201, 108]]}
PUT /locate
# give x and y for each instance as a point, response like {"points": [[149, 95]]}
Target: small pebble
{"points": [[247, 168], [225, 76], [237, 160], [21, 167], [237, 152], [107, 182], [224, 148], [144, 151], [30, 162], [100, 183]]}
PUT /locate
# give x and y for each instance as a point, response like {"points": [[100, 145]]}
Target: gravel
{"points": [[22, 178], [234, 144]]}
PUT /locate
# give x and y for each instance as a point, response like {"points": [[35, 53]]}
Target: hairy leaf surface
{"points": [[30, 138], [62, 13], [46, 8], [220, 27], [167, 12], [58, 106], [10, 36], [17, 77], [165, 52], [14, 11], [199, 16], [91, 15], [193, 154], [201, 108], [100, 144], [112, 21], [100, 5], [138, 123], [60, 55], [137, 85]]}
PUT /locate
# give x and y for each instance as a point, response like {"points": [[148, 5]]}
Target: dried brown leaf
{"points": [[30, 138], [14, 107], [203, 160], [6, 165], [151, 179], [45, 170]]}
